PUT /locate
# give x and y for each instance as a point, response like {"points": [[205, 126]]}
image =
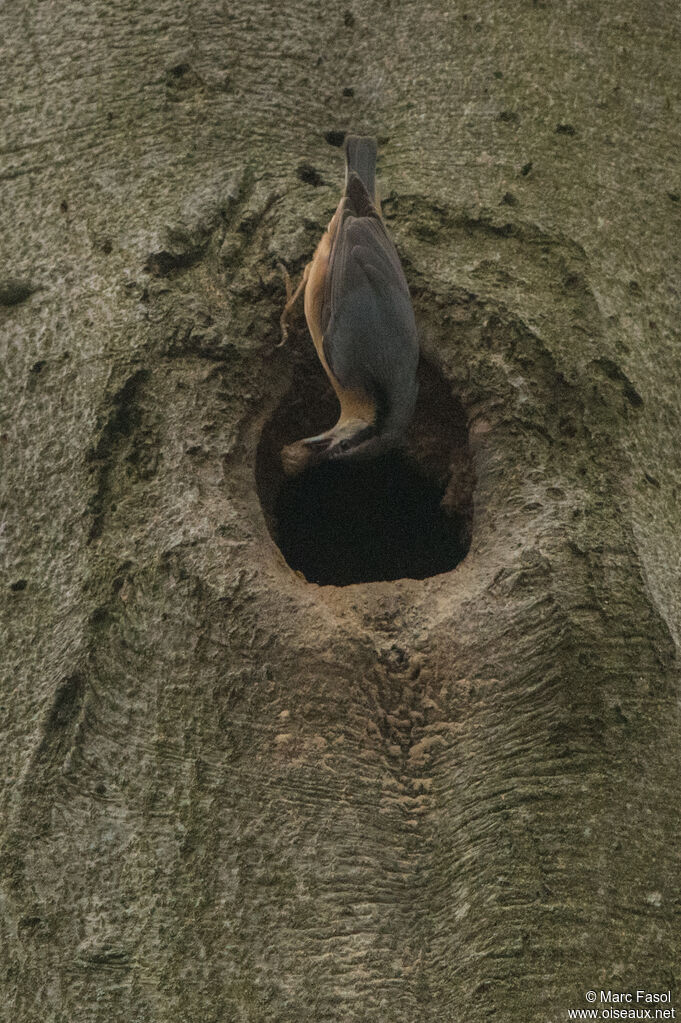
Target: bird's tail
{"points": [[360, 159]]}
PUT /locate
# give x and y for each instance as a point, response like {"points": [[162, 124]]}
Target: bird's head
{"points": [[346, 441]]}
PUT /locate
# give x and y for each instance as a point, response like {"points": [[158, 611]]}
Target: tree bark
{"points": [[228, 793]]}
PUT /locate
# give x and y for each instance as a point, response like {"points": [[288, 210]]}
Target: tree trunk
{"points": [[231, 794]]}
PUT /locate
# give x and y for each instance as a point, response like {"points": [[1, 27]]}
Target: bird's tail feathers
{"points": [[360, 159]]}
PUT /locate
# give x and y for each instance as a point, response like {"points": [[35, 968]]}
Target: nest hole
{"points": [[407, 514]]}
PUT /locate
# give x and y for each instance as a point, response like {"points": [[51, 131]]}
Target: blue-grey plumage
{"points": [[361, 319]]}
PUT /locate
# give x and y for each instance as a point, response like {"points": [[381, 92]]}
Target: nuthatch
{"points": [[360, 316]]}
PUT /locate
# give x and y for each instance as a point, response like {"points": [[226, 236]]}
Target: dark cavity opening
{"points": [[406, 514]]}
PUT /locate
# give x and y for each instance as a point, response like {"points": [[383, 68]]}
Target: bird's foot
{"points": [[291, 299], [283, 319]]}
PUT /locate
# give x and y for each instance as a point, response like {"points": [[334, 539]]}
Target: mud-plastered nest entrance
{"points": [[407, 514]]}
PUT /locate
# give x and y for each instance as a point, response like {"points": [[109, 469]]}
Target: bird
{"points": [[359, 313]]}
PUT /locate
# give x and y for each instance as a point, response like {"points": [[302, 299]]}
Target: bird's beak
{"points": [[319, 443]]}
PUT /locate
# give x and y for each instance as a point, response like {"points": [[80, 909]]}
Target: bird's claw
{"points": [[283, 319], [291, 298]]}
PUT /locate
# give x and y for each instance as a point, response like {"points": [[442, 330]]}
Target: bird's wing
{"points": [[370, 340]]}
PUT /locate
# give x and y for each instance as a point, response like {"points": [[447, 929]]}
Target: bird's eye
{"points": [[344, 445]]}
